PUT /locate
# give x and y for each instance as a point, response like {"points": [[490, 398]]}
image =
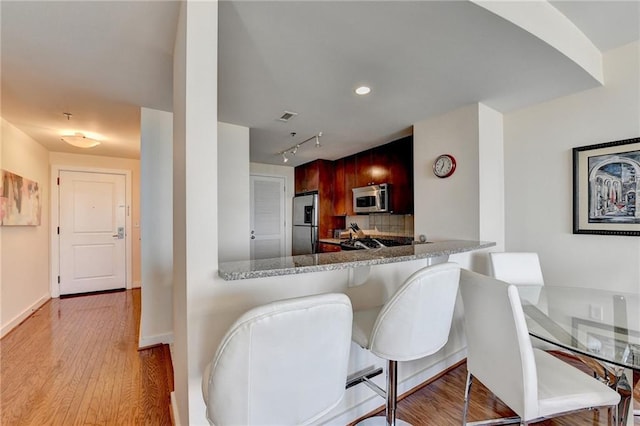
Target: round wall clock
{"points": [[444, 166]]}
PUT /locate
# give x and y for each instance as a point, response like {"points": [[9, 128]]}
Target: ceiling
{"points": [[101, 61]]}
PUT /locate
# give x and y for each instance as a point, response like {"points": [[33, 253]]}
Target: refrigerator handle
{"points": [[314, 239]]}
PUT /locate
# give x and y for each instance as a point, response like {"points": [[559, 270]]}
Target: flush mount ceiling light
{"points": [[363, 90], [294, 149], [80, 140]]}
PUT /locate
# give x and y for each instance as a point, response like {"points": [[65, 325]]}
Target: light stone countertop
{"points": [[290, 265]]}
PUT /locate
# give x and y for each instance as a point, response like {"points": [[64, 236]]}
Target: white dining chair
{"points": [[414, 323], [533, 383], [517, 268], [521, 269], [284, 363]]}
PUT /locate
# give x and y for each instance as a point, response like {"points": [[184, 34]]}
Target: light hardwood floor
{"points": [[75, 362], [440, 403]]}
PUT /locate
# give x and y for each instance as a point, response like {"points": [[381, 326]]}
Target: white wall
{"points": [[195, 214], [288, 173], [156, 245], [233, 194], [99, 162], [179, 356], [491, 176], [447, 208], [538, 175], [24, 270], [205, 305], [468, 205]]}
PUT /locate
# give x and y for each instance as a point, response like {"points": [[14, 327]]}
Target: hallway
{"points": [[75, 361]]}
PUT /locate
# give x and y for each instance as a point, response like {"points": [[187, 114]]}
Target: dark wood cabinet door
{"points": [[380, 169], [339, 188], [307, 177], [350, 178], [400, 163], [363, 162], [344, 174]]}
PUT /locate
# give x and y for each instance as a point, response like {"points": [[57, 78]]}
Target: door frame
{"points": [[55, 221], [287, 210]]}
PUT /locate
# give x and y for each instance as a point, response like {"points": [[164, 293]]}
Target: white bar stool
{"points": [[413, 324], [284, 363]]}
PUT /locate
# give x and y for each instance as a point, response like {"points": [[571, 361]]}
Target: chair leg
{"points": [[467, 391], [392, 389]]}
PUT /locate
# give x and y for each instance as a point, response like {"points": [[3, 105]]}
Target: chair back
{"points": [[284, 363], [499, 351], [416, 321], [517, 268]]}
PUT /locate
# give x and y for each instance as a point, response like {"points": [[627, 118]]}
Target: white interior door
{"points": [[92, 231], [267, 217]]}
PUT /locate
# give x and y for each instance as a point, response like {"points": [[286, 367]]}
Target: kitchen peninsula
{"points": [[289, 265]]}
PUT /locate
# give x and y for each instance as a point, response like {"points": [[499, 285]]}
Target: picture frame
{"points": [[606, 188], [606, 341], [20, 202]]}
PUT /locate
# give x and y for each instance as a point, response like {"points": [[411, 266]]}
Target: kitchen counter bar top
{"points": [[290, 265]]}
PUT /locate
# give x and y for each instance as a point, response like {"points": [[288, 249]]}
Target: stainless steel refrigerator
{"points": [[305, 224]]}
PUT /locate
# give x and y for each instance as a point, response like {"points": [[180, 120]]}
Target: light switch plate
{"points": [[596, 312]]}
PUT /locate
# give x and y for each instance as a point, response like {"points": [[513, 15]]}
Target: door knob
{"points": [[120, 234]]}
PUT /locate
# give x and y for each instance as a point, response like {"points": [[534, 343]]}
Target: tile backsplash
{"points": [[385, 222]]}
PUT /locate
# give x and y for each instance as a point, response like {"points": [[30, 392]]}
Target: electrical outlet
{"points": [[596, 312]]}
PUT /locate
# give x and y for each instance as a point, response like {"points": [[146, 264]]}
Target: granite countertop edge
{"points": [[233, 271]]}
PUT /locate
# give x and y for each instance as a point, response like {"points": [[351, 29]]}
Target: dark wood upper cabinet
{"points": [[400, 166], [318, 176], [307, 177], [339, 188], [344, 179], [391, 163]]}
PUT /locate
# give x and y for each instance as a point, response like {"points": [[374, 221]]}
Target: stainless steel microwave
{"points": [[371, 199]]}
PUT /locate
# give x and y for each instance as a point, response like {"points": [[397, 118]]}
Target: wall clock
{"points": [[444, 166]]}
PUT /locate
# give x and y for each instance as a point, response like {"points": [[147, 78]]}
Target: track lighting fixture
{"points": [[294, 149]]}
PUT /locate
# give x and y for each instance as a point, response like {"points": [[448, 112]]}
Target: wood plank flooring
{"points": [[440, 402], [75, 362]]}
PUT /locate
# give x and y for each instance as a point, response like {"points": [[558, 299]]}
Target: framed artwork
{"points": [[19, 200], [606, 188]]}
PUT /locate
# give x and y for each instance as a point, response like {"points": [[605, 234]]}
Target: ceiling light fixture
{"points": [[363, 90], [294, 149], [80, 140]]}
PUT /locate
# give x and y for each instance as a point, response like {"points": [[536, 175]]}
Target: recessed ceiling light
{"points": [[363, 90]]}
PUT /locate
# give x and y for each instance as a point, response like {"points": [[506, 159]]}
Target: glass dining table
{"points": [[600, 327]]}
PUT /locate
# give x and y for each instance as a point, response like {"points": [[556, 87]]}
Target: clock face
{"points": [[444, 166]]}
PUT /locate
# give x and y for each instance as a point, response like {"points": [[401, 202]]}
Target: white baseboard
{"points": [[158, 339], [24, 315], [174, 410]]}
